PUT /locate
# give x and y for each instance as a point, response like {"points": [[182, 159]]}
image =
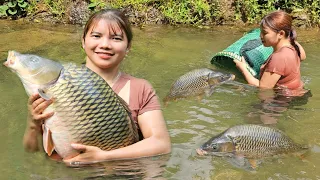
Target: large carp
{"points": [[87, 110], [197, 82], [251, 142]]}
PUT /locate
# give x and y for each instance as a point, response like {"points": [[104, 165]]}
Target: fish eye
{"points": [[34, 59], [214, 146]]}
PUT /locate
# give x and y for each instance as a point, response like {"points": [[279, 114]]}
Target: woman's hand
{"points": [[90, 154], [240, 64], [36, 107], [36, 117]]}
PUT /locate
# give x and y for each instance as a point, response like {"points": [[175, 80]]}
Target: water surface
{"points": [[161, 54]]}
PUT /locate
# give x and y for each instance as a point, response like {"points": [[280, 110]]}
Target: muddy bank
{"points": [[221, 12]]}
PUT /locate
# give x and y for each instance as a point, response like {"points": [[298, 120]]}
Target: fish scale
{"points": [[196, 83], [87, 110], [255, 143], [251, 141], [84, 129]]}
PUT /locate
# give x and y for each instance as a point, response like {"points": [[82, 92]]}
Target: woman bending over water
{"points": [[282, 69], [106, 40]]}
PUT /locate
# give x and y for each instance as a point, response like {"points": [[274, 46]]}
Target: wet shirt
{"points": [[286, 63], [141, 97]]}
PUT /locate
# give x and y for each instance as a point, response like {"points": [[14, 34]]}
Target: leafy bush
{"points": [[13, 8], [190, 12], [193, 12], [252, 11]]}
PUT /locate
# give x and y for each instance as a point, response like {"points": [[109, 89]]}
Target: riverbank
{"points": [[198, 13]]}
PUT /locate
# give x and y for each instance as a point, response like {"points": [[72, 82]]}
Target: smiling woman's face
{"points": [[105, 44]]}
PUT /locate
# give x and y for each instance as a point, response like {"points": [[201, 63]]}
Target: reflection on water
{"points": [[273, 103], [143, 168]]}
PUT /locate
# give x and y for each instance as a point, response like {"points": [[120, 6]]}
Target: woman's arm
{"points": [[267, 81], [242, 66], [36, 105], [156, 141]]}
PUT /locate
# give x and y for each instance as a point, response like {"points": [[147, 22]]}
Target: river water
{"points": [[161, 54]]}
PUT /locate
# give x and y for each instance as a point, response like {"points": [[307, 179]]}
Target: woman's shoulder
{"points": [[284, 53], [142, 94], [137, 82]]}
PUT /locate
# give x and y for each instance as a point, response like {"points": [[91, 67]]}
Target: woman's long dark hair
{"points": [[280, 20]]}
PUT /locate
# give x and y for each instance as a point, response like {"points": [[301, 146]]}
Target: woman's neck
{"points": [[110, 75], [282, 43]]}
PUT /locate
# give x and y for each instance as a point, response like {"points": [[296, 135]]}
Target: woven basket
{"points": [[250, 47]]}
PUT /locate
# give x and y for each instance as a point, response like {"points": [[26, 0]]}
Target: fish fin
{"points": [[48, 144], [43, 94], [199, 98], [302, 157], [253, 163], [209, 91], [238, 161], [166, 101]]}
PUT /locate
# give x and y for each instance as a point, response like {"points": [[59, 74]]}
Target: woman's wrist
{"points": [[34, 124]]}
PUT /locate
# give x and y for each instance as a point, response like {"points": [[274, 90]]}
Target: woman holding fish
{"points": [[107, 40], [282, 69]]}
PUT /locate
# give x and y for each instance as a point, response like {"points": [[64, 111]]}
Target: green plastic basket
{"points": [[250, 47]]}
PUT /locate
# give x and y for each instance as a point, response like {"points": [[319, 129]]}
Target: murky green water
{"points": [[161, 54]]}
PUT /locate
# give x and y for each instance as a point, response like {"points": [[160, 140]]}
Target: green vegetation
{"points": [[13, 8], [252, 11], [54, 8], [188, 12]]}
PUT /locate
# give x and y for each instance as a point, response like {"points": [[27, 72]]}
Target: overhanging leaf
{"points": [[12, 12], [12, 4], [22, 5]]}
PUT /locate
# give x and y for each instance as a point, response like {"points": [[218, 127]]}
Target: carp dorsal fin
{"points": [[43, 94]]}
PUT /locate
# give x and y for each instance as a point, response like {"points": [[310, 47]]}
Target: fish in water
{"points": [[87, 110], [198, 82], [251, 142]]}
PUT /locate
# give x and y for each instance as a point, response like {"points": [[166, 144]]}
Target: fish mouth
{"points": [[10, 60], [5, 63], [232, 77], [201, 152]]}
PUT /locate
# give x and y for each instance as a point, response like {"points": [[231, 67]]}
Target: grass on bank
{"points": [[189, 12]]}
